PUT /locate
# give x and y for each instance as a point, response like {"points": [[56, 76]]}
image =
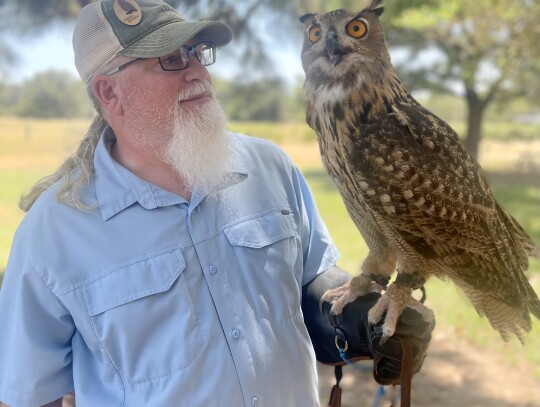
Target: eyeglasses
{"points": [[176, 61]]}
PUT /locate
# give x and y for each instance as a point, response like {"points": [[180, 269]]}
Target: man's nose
{"points": [[195, 70]]}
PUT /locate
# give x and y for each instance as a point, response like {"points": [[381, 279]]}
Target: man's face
{"points": [[175, 118]]}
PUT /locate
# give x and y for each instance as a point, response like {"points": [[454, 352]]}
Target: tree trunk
{"points": [[475, 114]]}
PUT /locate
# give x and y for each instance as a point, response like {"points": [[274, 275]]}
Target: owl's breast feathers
{"points": [[388, 154]]}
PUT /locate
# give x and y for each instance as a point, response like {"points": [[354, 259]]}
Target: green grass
{"points": [[346, 237], [30, 149]]}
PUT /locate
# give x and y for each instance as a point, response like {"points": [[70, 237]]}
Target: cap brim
{"points": [[172, 36]]}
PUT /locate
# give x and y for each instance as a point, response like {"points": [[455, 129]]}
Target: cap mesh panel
{"points": [[95, 44]]}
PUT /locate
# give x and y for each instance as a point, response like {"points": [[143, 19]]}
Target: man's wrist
{"points": [[322, 334]]}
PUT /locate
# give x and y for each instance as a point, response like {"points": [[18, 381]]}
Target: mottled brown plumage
{"points": [[419, 200]]}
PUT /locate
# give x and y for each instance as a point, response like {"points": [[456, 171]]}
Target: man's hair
{"points": [[75, 172]]}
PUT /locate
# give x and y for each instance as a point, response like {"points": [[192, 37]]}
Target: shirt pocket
{"points": [[268, 253], [143, 317]]}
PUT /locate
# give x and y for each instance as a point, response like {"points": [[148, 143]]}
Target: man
{"points": [[168, 262]]}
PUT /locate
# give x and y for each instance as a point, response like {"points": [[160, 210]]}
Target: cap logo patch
{"points": [[128, 11]]}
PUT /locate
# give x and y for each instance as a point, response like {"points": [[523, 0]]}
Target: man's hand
{"points": [[352, 327]]}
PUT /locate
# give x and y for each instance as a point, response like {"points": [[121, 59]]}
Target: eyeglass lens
{"points": [[179, 59]]}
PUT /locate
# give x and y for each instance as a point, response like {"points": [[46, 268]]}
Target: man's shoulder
{"points": [[47, 211], [43, 206]]}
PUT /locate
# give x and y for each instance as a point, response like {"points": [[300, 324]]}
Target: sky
{"points": [[53, 50]]}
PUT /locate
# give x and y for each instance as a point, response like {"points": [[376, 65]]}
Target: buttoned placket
{"points": [[222, 294]]}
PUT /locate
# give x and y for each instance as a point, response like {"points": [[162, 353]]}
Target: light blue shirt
{"points": [[150, 300]]}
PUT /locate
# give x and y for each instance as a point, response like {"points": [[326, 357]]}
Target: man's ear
{"points": [[105, 90]]}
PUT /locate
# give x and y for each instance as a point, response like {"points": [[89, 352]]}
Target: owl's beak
{"points": [[331, 44], [335, 54]]}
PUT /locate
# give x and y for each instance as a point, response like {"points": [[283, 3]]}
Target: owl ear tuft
{"points": [[376, 7], [307, 19]]}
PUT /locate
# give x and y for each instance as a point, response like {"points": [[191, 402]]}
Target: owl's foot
{"points": [[350, 291], [396, 298]]}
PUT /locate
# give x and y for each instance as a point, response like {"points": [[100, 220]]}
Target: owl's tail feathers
{"points": [[504, 317], [531, 249]]}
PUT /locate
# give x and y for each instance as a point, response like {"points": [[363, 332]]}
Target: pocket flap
{"points": [[263, 230], [139, 278]]}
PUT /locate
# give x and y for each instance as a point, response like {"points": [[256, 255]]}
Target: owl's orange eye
{"points": [[314, 33], [357, 28]]}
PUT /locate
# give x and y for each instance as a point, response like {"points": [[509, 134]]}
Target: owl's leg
{"points": [[376, 271], [395, 299]]}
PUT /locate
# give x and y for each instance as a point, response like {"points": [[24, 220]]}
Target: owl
{"points": [[417, 197]]}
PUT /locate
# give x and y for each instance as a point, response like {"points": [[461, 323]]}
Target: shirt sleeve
{"points": [[319, 250], [35, 339]]}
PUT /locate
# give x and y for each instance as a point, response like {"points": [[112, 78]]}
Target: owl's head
{"points": [[340, 40]]}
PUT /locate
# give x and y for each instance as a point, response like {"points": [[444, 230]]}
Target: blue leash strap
{"points": [[343, 354], [379, 394]]}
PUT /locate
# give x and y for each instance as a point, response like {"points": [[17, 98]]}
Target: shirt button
{"points": [[213, 270], [235, 334], [254, 401]]}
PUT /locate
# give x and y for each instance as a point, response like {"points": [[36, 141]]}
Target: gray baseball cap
{"points": [[138, 29]]}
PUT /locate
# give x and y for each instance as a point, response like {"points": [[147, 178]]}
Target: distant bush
{"points": [[53, 94], [264, 100], [277, 132]]}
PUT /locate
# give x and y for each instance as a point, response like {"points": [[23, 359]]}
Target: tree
{"points": [[261, 100], [53, 94], [9, 96], [489, 47]]}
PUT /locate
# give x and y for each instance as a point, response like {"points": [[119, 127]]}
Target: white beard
{"points": [[192, 140], [199, 150]]}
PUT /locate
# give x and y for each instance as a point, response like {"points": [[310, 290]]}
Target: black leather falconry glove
{"points": [[362, 338], [352, 327]]}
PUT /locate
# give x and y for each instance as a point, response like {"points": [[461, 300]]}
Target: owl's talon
{"points": [[384, 338], [341, 296], [376, 313], [338, 298], [390, 306], [388, 329]]}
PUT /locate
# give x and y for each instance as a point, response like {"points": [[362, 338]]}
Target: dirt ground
{"points": [[454, 375]]}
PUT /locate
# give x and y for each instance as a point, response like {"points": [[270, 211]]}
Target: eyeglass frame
{"points": [[189, 50]]}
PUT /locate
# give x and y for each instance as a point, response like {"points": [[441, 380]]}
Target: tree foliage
{"points": [[9, 96], [253, 101], [52, 94], [488, 47], [255, 23]]}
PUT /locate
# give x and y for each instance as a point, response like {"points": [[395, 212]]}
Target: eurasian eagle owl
{"points": [[419, 200]]}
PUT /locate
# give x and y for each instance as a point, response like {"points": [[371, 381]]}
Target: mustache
{"points": [[196, 89]]}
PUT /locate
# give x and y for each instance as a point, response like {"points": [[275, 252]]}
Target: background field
{"points": [[30, 149]]}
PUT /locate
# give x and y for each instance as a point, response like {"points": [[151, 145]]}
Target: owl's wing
{"points": [[425, 189]]}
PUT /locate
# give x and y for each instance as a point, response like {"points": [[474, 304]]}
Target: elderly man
{"points": [[168, 262]]}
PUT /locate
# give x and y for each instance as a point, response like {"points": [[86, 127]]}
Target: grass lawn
{"points": [[32, 148]]}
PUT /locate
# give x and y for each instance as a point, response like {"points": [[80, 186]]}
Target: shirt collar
{"points": [[118, 188]]}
